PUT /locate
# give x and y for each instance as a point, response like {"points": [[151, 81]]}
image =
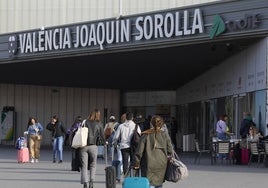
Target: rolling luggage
{"points": [[76, 160], [23, 155], [244, 156], [110, 173], [134, 182]]}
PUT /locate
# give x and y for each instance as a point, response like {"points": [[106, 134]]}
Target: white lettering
{"points": [[169, 25], [22, 42], [84, 35], [76, 44], [149, 27], [186, 31], [48, 40], [197, 22], [100, 35], [110, 32], [148, 24], [35, 49], [66, 39], [41, 40], [28, 47], [55, 42], [125, 30], [92, 35], [178, 32], [158, 22]]}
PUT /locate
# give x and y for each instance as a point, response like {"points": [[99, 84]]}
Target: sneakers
{"points": [[90, 184], [32, 160], [36, 160], [60, 161]]}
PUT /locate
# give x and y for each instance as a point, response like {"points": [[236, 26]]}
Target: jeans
{"points": [[126, 154], [58, 148], [119, 158]]}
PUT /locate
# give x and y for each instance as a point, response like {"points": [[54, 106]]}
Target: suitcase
{"points": [[134, 181], [244, 156], [110, 173], [76, 160], [23, 155]]}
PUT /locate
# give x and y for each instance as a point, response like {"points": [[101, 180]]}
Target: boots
{"points": [[85, 185]]}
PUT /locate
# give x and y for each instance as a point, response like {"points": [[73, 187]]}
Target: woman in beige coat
{"points": [[154, 148]]}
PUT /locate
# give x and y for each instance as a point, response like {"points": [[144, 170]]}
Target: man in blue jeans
{"points": [[58, 132], [124, 132]]}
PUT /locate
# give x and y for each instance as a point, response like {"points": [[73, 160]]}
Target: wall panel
{"points": [[85, 103], [17, 15], [42, 102]]}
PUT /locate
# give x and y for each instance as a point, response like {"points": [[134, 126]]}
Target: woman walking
{"points": [[35, 130], [89, 153], [152, 153]]}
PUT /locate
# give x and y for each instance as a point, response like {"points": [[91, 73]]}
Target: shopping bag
{"points": [[80, 137]]}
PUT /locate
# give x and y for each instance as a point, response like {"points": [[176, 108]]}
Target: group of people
{"points": [[248, 132], [155, 144], [34, 133], [150, 156]]}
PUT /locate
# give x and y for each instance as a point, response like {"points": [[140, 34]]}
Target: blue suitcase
{"points": [[136, 182]]}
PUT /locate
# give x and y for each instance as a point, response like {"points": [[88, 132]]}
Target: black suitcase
{"points": [[110, 173], [76, 160]]}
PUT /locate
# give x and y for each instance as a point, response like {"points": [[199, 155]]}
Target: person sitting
{"points": [[253, 135]]}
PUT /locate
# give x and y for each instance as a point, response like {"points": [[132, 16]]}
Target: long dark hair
{"points": [[30, 121]]}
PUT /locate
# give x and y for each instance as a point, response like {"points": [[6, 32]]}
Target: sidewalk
{"points": [[53, 175]]}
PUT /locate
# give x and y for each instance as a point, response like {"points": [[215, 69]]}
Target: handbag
{"points": [[80, 137], [176, 170], [39, 137]]}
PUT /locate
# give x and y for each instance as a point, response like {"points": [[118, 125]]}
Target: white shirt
{"points": [[124, 133]]}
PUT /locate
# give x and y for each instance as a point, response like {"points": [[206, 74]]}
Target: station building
{"points": [[190, 60]]}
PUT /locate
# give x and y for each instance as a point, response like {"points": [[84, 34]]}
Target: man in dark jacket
{"points": [[245, 125]]}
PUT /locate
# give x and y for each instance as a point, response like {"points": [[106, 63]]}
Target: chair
{"points": [[223, 151], [254, 150], [199, 151], [265, 144]]}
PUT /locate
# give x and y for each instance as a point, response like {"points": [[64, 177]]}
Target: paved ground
{"points": [[47, 174]]}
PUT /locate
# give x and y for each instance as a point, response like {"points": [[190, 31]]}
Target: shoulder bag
{"points": [[80, 137], [176, 170]]}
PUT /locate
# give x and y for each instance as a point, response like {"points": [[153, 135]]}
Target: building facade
{"points": [[225, 40]]}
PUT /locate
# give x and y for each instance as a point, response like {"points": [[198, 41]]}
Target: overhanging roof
{"points": [[153, 69], [157, 64]]}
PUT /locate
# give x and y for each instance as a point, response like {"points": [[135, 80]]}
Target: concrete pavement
{"points": [[47, 174]]}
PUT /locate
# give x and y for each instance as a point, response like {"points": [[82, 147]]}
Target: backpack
{"points": [[135, 139], [20, 143], [108, 131], [111, 137]]}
